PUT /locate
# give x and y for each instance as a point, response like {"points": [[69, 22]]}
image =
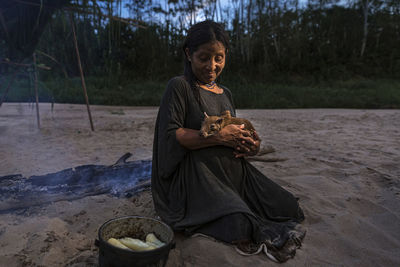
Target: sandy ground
{"points": [[344, 165]]}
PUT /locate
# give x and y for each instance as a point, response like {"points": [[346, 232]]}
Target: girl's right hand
{"points": [[236, 137]]}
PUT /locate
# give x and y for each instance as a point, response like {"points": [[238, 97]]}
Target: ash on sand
{"points": [[342, 164], [123, 177]]}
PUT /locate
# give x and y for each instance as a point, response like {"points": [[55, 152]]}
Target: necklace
{"points": [[210, 85]]}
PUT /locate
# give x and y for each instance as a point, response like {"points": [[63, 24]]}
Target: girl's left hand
{"points": [[253, 149]]}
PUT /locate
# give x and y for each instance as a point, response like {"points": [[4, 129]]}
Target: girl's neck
{"points": [[212, 87], [209, 86]]}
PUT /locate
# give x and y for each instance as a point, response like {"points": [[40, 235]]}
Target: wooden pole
{"points": [[30, 89], [81, 71], [3, 98], [36, 90]]}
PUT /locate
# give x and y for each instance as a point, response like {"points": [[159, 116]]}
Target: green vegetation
{"points": [[360, 93], [105, 92], [283, 54], [342, 94]]}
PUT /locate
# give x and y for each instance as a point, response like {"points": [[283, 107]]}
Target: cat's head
{"points": [[211, 125]]}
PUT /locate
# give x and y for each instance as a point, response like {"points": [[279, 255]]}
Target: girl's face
{"points": [[207, 61]]}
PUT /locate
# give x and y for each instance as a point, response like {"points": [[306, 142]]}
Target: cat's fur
{"points": [[213, 124]]}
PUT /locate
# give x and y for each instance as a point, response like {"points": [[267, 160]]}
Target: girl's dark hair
{"points": [[199, 34]]}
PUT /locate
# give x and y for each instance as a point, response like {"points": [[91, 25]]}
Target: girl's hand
{"points": [[239, 139], [254, 149]]}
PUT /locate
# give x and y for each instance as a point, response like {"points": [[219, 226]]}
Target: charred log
{"points": [[122, 178]]}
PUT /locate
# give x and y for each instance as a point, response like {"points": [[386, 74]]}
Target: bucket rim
{"points": [[170, 243]]}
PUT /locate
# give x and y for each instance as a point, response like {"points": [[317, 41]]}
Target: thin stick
{"points": [[36, 90], [55, 60], [81, 71], [6, 61], [30, 89], [8, 87]]}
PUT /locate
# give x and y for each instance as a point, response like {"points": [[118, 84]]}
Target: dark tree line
{"points": [[270, 39]]}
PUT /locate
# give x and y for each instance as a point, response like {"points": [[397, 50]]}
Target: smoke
{"points": [[123, 178]]}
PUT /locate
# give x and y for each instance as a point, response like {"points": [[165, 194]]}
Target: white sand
{"points": [[344, 165]]}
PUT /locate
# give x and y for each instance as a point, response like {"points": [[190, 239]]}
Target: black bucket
{"points": [[135, 227]]}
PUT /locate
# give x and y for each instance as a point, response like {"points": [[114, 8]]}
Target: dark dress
{"points": [[208, 190]]}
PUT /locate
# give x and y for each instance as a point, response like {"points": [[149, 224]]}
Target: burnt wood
{"points": [[124, 178]]}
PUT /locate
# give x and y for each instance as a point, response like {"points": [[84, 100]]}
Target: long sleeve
{"points": [[171, 117]]}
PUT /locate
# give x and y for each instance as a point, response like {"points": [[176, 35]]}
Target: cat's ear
{"points": [[219, 121], [205, 114]]}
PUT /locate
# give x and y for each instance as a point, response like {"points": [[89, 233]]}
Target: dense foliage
{"points": [[286, 42]]}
